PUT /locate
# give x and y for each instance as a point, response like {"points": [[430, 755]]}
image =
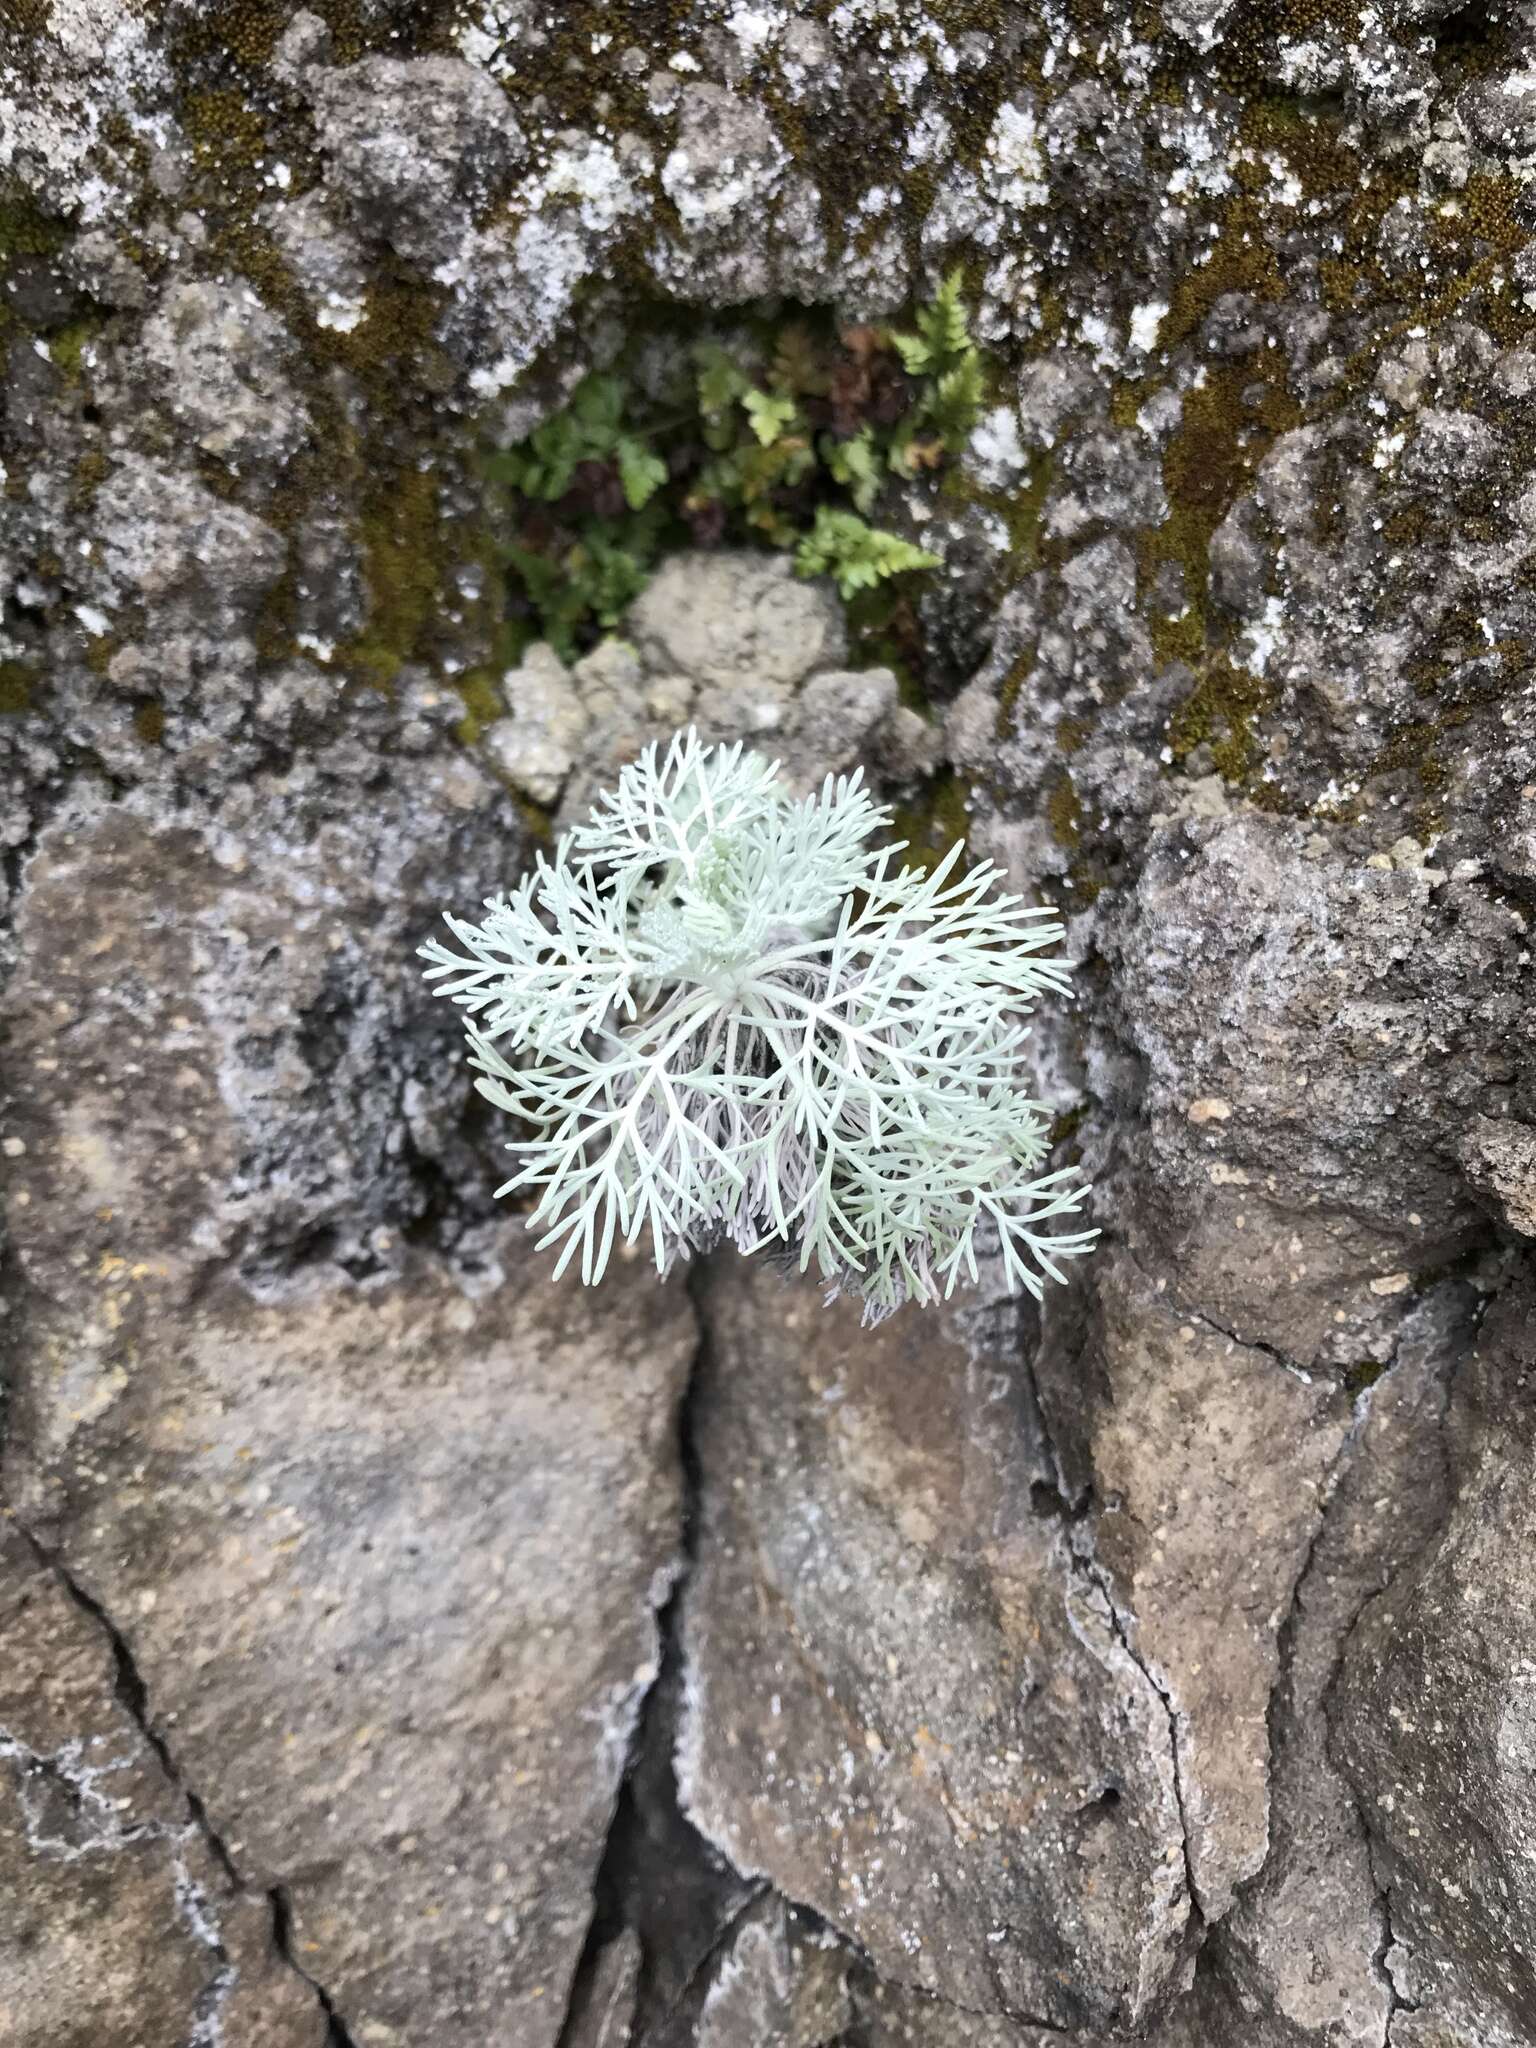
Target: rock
{"points": [[168, 542], [122, 1924], [610, 688], [836, 716], [1106, 480], [250, 1093], [391, 1583], [739, 622], [1213, 1463], [1308, 994], [906, 1703], [725, 174], [327, 261], [906, 746], [538, 746], [782, 1983], [1433, 1723], [1500, 1159], [605, 2015], [416, 147], [727, 160], [1231, 645], [1304, 1939], [220, 356]]}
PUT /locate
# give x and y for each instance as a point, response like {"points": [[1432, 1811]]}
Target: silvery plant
{"points": [[721, 1013]]}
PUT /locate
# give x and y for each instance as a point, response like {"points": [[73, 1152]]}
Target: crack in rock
{"points": [[1098, 1579], [198, 1910], [651, 1845]]}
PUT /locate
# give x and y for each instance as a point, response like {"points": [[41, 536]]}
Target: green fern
{"points": [[721, 381], [856, 466], [943, 336], [786, 438], [771, 416], [953, 402], [641, 473], [859, 556]]}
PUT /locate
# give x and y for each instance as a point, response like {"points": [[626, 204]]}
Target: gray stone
{"points": [[742, 619], [538, 746], [1433, 1725], [247, 1093], [604, 2016], [727, 160], [416, 147], [220, 358], [779, 1984], [167, 542], [1312, 996], [1500, 1159], [907, 746], [836, 716], [1233, 651], [120, 1913], [386, 1561], [1306, 1939], [1213, 1464]]}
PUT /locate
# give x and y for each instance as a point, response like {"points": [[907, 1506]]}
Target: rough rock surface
{"points": [[122, 1911], [909, 1703], [730, 642], [380, 1668]]}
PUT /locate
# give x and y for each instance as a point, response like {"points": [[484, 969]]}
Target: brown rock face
{"points": [[122, 1912], [353, 1543], [909, 1704], [385, 1556]]}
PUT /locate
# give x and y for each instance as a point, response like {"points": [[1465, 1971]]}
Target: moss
{"points": [[1011, 687], [149, 724], [391, 345], [90, 473], [411, 552], [936, 818], [25, 228], [18, 683], [1072, 734], [1365, 1373], [1241, 260], [1021, 510], [884, 631], [245, 30], [483, 702], [1064, 813], [1307, 141], [99, 650], [228, 137], [67, 346], [1220, 712], [537, 821], [1226, 426]]}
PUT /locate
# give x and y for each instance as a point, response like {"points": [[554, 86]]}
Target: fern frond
{"points": [[859, 556]]}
